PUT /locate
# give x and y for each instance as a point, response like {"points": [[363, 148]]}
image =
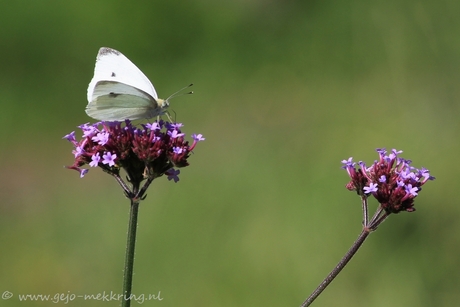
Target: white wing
{"points": [[113, 66], [122, 102]]}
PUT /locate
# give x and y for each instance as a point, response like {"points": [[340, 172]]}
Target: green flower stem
{"points": [[351, 252], [365, 210], [130, 245]]}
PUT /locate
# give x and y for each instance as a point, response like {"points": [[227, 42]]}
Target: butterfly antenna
{"points": [[176, 94]]}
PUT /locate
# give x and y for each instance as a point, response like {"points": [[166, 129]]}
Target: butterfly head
{"points": [[163, 103]]}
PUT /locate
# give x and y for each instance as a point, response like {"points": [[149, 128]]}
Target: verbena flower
{"points": [[391, 180], [147, 152]]}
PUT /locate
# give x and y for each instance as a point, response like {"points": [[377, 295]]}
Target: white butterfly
{"points": [[119, 90]]}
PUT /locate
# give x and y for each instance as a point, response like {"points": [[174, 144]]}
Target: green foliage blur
{"points": [[284, 90]]}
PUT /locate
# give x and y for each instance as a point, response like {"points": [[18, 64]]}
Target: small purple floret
{"points": [[95, 160], [109, 159], [173, 174], [371, 188]]}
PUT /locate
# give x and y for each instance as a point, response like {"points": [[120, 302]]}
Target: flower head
{"points": [[147, 152], [391, 180]]}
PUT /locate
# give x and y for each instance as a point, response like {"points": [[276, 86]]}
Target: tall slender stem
{"points": [[130, 245], [351, 252]]}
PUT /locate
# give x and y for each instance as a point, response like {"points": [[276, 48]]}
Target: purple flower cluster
{"points": [[146, 152], [391, 180]]}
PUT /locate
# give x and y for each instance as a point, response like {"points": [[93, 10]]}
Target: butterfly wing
{"points": [[119, 90], [112, 65], [118, 101]]}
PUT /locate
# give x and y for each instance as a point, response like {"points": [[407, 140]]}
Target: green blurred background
{"points": [[284, 90]]}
